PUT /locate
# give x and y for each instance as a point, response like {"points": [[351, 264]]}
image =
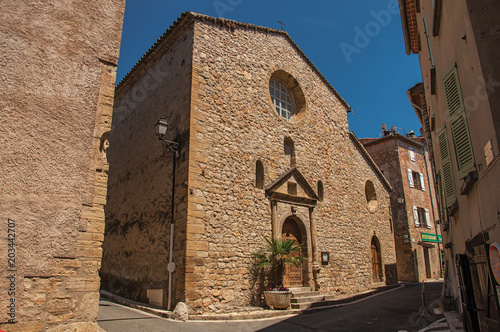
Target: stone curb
{"points": [[134, 304], [260, 314]]}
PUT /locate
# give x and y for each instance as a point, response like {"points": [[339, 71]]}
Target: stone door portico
{"points": [[292, 206]]}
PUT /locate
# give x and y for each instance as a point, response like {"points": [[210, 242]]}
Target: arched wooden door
{"points": [[375, 253], [293, 275]]}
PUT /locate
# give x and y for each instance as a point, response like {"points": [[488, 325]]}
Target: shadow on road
{"points": [[409, 308]]}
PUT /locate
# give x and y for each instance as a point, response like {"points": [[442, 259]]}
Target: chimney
{"points": [[411, 134]]}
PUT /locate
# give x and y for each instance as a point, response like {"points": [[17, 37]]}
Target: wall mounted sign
{"points": [[495, 261], [429, 237]]}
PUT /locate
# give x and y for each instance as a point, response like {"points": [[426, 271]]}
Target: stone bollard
{"points": [[181, 312]]}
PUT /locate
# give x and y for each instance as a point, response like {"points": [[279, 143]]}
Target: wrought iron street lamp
{"points": [[161, 129]]}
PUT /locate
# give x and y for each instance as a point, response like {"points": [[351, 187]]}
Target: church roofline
{"points": [[184, 21], [371, 161]]}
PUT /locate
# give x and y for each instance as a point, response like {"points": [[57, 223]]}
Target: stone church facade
{"points": [[251, 166]]}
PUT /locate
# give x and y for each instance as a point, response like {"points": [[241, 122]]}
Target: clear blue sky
{"points": [[357, 45]]}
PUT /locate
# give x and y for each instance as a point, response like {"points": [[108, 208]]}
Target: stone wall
{"points": [[138, 213], [57, 77]]}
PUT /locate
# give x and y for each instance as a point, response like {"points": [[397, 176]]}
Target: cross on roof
{"points": [[282, 24]]}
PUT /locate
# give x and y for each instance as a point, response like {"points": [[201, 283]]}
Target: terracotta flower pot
{"points": [[278, 299]]}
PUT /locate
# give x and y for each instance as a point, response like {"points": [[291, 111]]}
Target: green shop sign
{"points": [[428, 237]]}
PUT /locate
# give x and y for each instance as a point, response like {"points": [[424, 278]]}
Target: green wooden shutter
{"points": [[448, 179], [463, 146], [458, 124], [453, 93]]}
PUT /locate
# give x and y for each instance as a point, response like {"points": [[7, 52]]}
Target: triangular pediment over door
{"points": [[292, 187]]}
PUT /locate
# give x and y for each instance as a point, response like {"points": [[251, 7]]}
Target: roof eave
{"points": [[397, 136], [404, 23]]}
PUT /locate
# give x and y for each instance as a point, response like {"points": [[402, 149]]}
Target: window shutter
{"points": [[415, 216], [422, 181], [453, 93], [412, 154], [410, 177], [458, 123], [448, 179], [427, 218], [463, 146]]}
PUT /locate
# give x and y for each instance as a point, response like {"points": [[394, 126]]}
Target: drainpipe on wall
{"points": [[415, 262], [454, 264]]}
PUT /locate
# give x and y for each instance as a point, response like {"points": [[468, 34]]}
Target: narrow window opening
{"points": [[320, 191], [371, 196], [416, 180], [290, 150], [259, 174]]}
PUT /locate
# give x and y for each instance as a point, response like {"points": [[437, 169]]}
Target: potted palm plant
{"points": [[278, 253]]}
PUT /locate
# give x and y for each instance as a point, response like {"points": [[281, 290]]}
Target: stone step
{"points": [[300, 305], [329, 300], [314, 304], [308, 299], [299, 289], [305, 294], [331, 297]]}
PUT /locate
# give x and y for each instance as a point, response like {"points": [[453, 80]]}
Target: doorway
{"points": [[376, 261], [427, 260], [293, 275]]}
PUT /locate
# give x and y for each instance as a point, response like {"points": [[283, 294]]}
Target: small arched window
{"points": [[259, 174], [371, 196], [320, 191], [290, 150], [287, 97]]}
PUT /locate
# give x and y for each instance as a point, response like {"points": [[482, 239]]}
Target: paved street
{"points": [[394, 310]]}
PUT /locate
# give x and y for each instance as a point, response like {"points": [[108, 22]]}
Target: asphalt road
{"points": [[395, 310]]}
